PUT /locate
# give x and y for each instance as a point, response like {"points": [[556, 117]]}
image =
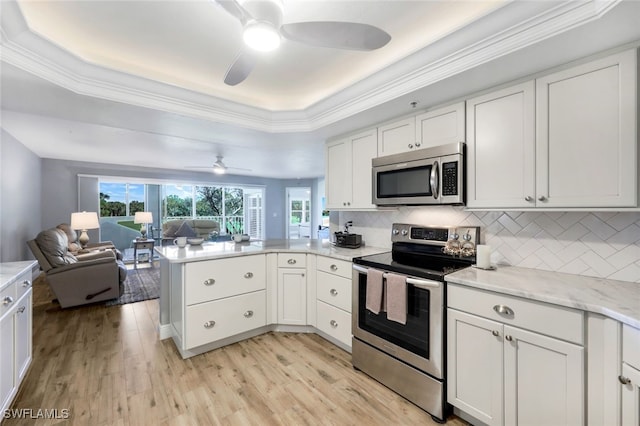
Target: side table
{"points": [[142, 244]]}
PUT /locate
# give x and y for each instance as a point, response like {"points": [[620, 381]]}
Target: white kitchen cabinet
{"points": [[630, 377], [514, 362], [214, 300], [292, 289], [396, 137], [501, 148], [565, 140], [15, 332], [586, 134], [334, 291], [431, 128], [441, 126], [348, 171]]}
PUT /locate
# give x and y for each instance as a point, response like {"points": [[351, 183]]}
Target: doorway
{"points": [[298, 213]]}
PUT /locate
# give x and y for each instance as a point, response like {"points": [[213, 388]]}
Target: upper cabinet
{"points": [[586, 134], [565, 140], [436, 127], [501, 148], [348, 175]]}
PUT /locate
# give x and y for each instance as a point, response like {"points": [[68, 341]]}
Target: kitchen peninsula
{"points": [[219, 293]]}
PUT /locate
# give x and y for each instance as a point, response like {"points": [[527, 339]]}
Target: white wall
{"points": [[598, 244]]}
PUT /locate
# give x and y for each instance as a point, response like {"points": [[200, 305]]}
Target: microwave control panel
{"points": [[450, 178]]}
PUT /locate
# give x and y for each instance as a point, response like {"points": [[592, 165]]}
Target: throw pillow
{"points": [[170, 232], [186, 231]]}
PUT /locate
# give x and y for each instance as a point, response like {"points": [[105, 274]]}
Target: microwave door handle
{"points": [[434, 180]]}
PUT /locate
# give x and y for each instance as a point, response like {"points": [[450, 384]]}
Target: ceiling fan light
{"points": [[218, 170], [261, 36]]}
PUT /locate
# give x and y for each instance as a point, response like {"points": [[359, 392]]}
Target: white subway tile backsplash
{"points": [[598, 244]]}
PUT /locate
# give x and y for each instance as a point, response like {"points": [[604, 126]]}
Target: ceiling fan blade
{"points": [[241, 68], [338, 35], [198, 167], [234, 8]]}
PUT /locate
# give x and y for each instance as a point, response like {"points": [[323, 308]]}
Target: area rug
{"points": [[141, 284]]}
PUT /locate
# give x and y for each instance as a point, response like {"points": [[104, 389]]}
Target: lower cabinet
{"points": [[333, 314], [630, 377], [292, 289], [503, 374], [15, 336]]}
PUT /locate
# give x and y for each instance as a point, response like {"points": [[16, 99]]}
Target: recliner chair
{"points": [[77, 279]]}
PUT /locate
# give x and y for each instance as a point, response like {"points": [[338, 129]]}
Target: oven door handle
{"points": [[412, 281]]}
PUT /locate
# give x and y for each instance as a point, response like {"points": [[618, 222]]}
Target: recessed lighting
{"points": [[261, 35]]}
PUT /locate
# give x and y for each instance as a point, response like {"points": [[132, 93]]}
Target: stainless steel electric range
{"points": [[410, 358]]}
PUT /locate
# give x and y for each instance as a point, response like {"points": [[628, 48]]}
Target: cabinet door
{"points": [[292, 296], [474, 366], [441, 126], [364, 147], [501, 148], [631, 396], [397, 137], [338, 174], [544, 380], [23, 335], [586, 134], [7, 353]]}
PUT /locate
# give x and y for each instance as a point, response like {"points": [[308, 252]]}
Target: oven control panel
{"points": [[433, 235]]}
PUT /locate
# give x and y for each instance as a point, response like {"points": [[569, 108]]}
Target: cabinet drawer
{"points": [[215, 279], [23, 284], [552, 320], [334, 290], [334, 266], [211, 321], [292, 260], [8, 298], [334, 322], [631, 346]]}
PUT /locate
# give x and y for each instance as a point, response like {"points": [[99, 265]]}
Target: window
{"points": [[224, 204], [121, 199]]}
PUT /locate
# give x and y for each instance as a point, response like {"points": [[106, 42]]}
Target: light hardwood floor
{"points": [[107, 366]]}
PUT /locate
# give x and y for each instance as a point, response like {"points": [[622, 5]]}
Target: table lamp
{"points": [[82, 221], [143, 218]]}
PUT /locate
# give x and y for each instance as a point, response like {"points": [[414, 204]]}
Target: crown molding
{"points": [[453, 54]]}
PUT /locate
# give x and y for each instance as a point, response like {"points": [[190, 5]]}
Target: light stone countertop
{"points": [[219, 250], [9, 271], [619, 300]]}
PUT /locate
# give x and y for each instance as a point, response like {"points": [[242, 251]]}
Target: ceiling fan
{"points": [[218, 167], [263, 29]]}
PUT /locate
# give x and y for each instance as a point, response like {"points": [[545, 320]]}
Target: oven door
{"points": [[412, 182], [420, 341]]}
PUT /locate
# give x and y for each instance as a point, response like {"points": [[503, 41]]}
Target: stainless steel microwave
{"points": [[426, 176]]}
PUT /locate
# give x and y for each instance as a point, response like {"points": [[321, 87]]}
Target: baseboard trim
{"points": [[164, 331]]}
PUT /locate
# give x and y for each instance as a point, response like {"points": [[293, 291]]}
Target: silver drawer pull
{"points": [[333, 267], [7, 300], [248, 314], [248, 275], [26, 283], [508, 338], [209, 324], [21, 309], [624, 380], [210, 281], [495, 333], [333, 292], [333, 323], [502, 309], [291, 261]]}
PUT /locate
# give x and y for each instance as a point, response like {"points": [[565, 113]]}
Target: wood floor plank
{"points": [[107, 366]]}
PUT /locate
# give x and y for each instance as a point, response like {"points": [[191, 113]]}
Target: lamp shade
{"points": [[143, 217], [84, 220]]}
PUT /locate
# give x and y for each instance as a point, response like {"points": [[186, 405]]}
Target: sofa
{"points": [[77, 279], [202, 228]]}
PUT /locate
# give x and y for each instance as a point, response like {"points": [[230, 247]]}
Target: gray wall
{"points": [[20, 202], [60, 188]]}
